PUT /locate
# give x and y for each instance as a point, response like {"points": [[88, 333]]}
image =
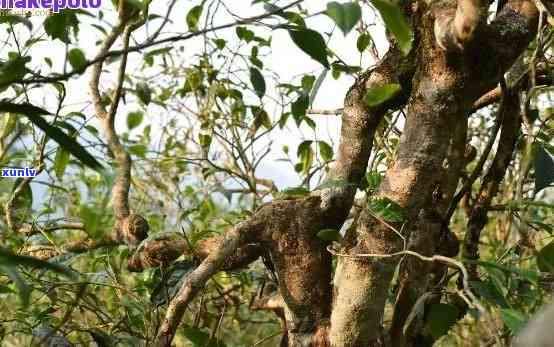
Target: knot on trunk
{"points": [[132, 229]]}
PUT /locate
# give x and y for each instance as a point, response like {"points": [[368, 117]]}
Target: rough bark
{"points": [[432, 237]]}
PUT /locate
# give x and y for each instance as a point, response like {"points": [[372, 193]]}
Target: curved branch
{"points": [[196, 280], [130, 228], [495, 174]]}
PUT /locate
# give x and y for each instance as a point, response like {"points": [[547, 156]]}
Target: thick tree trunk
{"points": [[446, 84], [456, 59]]}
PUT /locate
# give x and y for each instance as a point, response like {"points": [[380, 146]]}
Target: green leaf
{"points": [[205, 141], [144, 93], [220, 43], [6, 17], [24, 290], [200, 338], [345, 15], [441, 318], [303, 148], [299, 106], [23, 202], [59, 25], [34, 113], [193, 17], [377, 95], [139, 5], [138, 150], [8, 258], [258, 82], [306, 160], [171, 279], [490, 292], [530, 275], [13, 70], [363, 42], [373, 180], [513, 319], [388, 210], [134, 119], [311, 43], [261, 118], [91, 221], [326, 150], [60, 162], [8, 125], [244, 34], [8, 265], [544, 169], [396, 23], [77, 58], [545, 258], [329, 235], [317, 85]]}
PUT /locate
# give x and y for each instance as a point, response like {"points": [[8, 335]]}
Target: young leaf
{"points": [[193, 17], [77, 58], [544, 169], [396, 23], [311, 43], [345, 15], [378, 95], [34, 113], [258, 82], [60, 162]]}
